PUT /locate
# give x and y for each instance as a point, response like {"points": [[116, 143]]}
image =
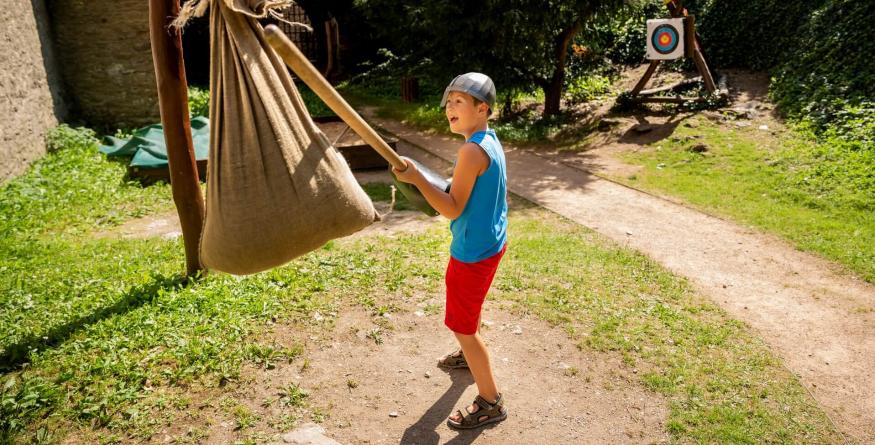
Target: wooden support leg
{"points": [[641, 83], [704, 71], [173, 102]]}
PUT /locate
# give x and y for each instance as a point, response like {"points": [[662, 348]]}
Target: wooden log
{"points": [[173, 103], [672, 100], [640, 85], [689, 35], [673, 86], [704, 71]]}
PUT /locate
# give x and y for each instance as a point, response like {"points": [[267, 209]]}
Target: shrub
{"points": [[198, 102], [69, 138]]}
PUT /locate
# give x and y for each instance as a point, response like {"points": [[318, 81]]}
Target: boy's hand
{"points": [[410, 175]]}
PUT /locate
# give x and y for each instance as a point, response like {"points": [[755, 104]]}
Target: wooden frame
{"points": [[693, 50], [173, 102]]}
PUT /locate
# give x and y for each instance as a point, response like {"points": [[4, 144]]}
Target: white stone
{"points": [[309, 434]]}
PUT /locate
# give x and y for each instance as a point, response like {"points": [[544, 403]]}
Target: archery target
{"points": [[665, 39]]}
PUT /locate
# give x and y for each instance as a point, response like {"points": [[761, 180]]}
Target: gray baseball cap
{"points": [[477, 85]]}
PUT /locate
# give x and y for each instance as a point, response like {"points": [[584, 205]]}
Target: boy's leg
{"points": [[481, 367]]}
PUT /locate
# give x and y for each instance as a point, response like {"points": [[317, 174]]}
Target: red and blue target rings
{"points": [[664, 39]]}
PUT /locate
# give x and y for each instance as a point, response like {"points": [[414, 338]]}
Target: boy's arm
{"points": [[472, 162]]}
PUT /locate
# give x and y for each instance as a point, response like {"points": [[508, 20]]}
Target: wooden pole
{"points": [[173, 102], [643, 81], [295, 59]]}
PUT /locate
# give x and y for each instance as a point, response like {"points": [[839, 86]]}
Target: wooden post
{"points": [[643, 81], [409, 88], [689, 35], [173, 102]]}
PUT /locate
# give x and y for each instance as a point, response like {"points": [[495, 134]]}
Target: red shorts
{"points": [[467, 284]]}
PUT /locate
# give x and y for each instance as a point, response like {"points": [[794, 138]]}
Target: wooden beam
{"points": [[640, 85], [173, 103], [672, 100], [689, 35], [678, 84], [704, 71]]}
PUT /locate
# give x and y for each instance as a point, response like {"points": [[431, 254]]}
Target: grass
{"points": [[784, 184], [117, 347]]}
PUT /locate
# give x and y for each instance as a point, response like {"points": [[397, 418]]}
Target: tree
{"points": [[521, 44]]}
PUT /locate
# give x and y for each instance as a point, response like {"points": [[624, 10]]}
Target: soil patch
{"points": [[374, 380]]}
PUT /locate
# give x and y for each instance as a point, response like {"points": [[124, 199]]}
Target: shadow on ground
{"points": [[19, 353]]}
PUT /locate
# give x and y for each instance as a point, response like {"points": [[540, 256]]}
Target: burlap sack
{"points": [[276, 188]]}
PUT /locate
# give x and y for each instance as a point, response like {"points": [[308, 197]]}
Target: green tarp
{"points": [[147, 149]]}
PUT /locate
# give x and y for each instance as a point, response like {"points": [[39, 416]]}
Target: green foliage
{"points": [[585, 88], [528, 126], [66, 137], [315, 106], [756, 34], [621, 36], [828, 81], [820, 52], [513, 41], [198, 101]]}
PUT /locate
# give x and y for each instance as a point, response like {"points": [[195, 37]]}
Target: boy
{"points": [[477, 207]]}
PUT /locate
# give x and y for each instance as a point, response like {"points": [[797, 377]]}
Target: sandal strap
{"points": [[486, 406]]}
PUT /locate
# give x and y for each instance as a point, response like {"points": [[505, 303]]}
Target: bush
{"points": [[755, 34], [828, 81], [69, 138], [198, 102], [585, 88]]}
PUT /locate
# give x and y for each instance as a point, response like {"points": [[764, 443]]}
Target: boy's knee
{"points": [[464, 337]]}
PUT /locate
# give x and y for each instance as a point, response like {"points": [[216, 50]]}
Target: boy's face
{"points": [[464, 117]]}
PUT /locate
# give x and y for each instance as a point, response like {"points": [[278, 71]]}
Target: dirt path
{"points": [[818, 319], [392, 392]]}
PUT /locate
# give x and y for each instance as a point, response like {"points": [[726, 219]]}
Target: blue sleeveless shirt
{"points": [[481, 230]]}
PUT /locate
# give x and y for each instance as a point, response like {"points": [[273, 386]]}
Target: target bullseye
{"points": [[665, 39]]}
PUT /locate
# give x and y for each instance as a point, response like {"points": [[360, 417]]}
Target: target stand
{"points": [[670, 39]]}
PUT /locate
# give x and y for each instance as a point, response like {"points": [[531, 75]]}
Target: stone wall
{"points": [[30, 89], [105, 57]]}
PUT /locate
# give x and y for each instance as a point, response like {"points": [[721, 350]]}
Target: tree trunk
{"points": [[173, 103], [507, 109], [553, 90]]}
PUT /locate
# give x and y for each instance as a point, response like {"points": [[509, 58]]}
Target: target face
{"points": [[665, 39]]}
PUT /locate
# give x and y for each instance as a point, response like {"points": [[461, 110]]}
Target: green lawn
{"points": [[105, 341], [786, 184]]}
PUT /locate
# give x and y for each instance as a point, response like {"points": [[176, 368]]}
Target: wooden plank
{"points": [[704, 71], [673, 100], [672, 86], [640, 85], [173, 103], [689, 35]]}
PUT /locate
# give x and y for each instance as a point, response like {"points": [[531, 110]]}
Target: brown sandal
{"points": [[453, 360], [486, 413]]}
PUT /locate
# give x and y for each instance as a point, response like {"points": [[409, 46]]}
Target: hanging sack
{"points": [[276, 187]]}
